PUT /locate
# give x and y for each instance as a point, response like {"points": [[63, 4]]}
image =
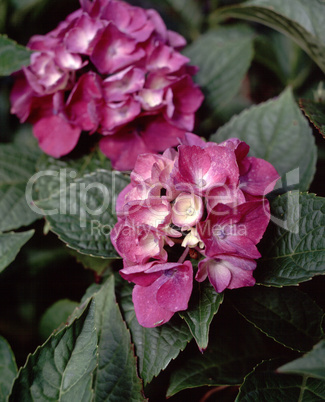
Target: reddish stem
{"points": [[183, 256]]}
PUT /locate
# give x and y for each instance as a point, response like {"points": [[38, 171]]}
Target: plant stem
{"points": [[183, 256]]}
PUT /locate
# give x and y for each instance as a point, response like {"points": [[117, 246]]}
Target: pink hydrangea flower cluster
{"points": [[110, 68], [204, 201]]}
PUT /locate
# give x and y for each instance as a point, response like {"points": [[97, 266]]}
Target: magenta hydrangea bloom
{"points": [[160, 290], [204, 201], [109, 68]]}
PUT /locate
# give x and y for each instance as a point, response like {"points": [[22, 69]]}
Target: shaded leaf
{"points": [[83, 212], [203, 305], [302, 21], [12, 56], [8, 368], [22, 5], [61, 368], [97, 264], [312, 364], [223, 56], [293, 247], [55, 174], [284, 57], [91, 359], [55, 316], [264, 384], [155, 347], [234, 348], [3, 14], [277, 132], [17, 166], [189, 10], [287, 315], [315, 111], [116, 376], [10, 244]]}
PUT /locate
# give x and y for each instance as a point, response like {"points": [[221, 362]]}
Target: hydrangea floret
{"points": [[205, 202], [109, 68]]}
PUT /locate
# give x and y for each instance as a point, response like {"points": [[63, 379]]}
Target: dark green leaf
{"points": [[234, 348], [277, 132], [115, 377], [223, 56], [312, 364], [8, 369], [91, 359], [10, 244], [60, 370], [281, 55], [203, 305], [55, 316], [21, 4], [90, 292], [58, 173], [300, 20], [286, 315], [315, 111], [83, 212], [3, 14], [97, 264], [155, 347], [264, 384], [293, 248], [189, 11], [17, 166], [12, 56]]}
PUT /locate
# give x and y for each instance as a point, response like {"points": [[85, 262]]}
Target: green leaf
{"points": [[8, 368], [234, 348], [302, 21], [3, 14], [189, 10], [287, 315], [55, 316], [22, 5], [12, 56], [83, 212], [116, 376], [184, 16], [264, 384], [277, 132], [223, 56], [315, 111], [17, 166], [60, 370], [281, 55], [312, 364], [97, 264], [10, 244], [155, 347], [293, 247], [203, 305], [91, 359], [55, 174]]}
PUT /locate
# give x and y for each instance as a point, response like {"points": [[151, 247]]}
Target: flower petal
{"points": [[175, 293], [56, 136], [147, 309]]}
